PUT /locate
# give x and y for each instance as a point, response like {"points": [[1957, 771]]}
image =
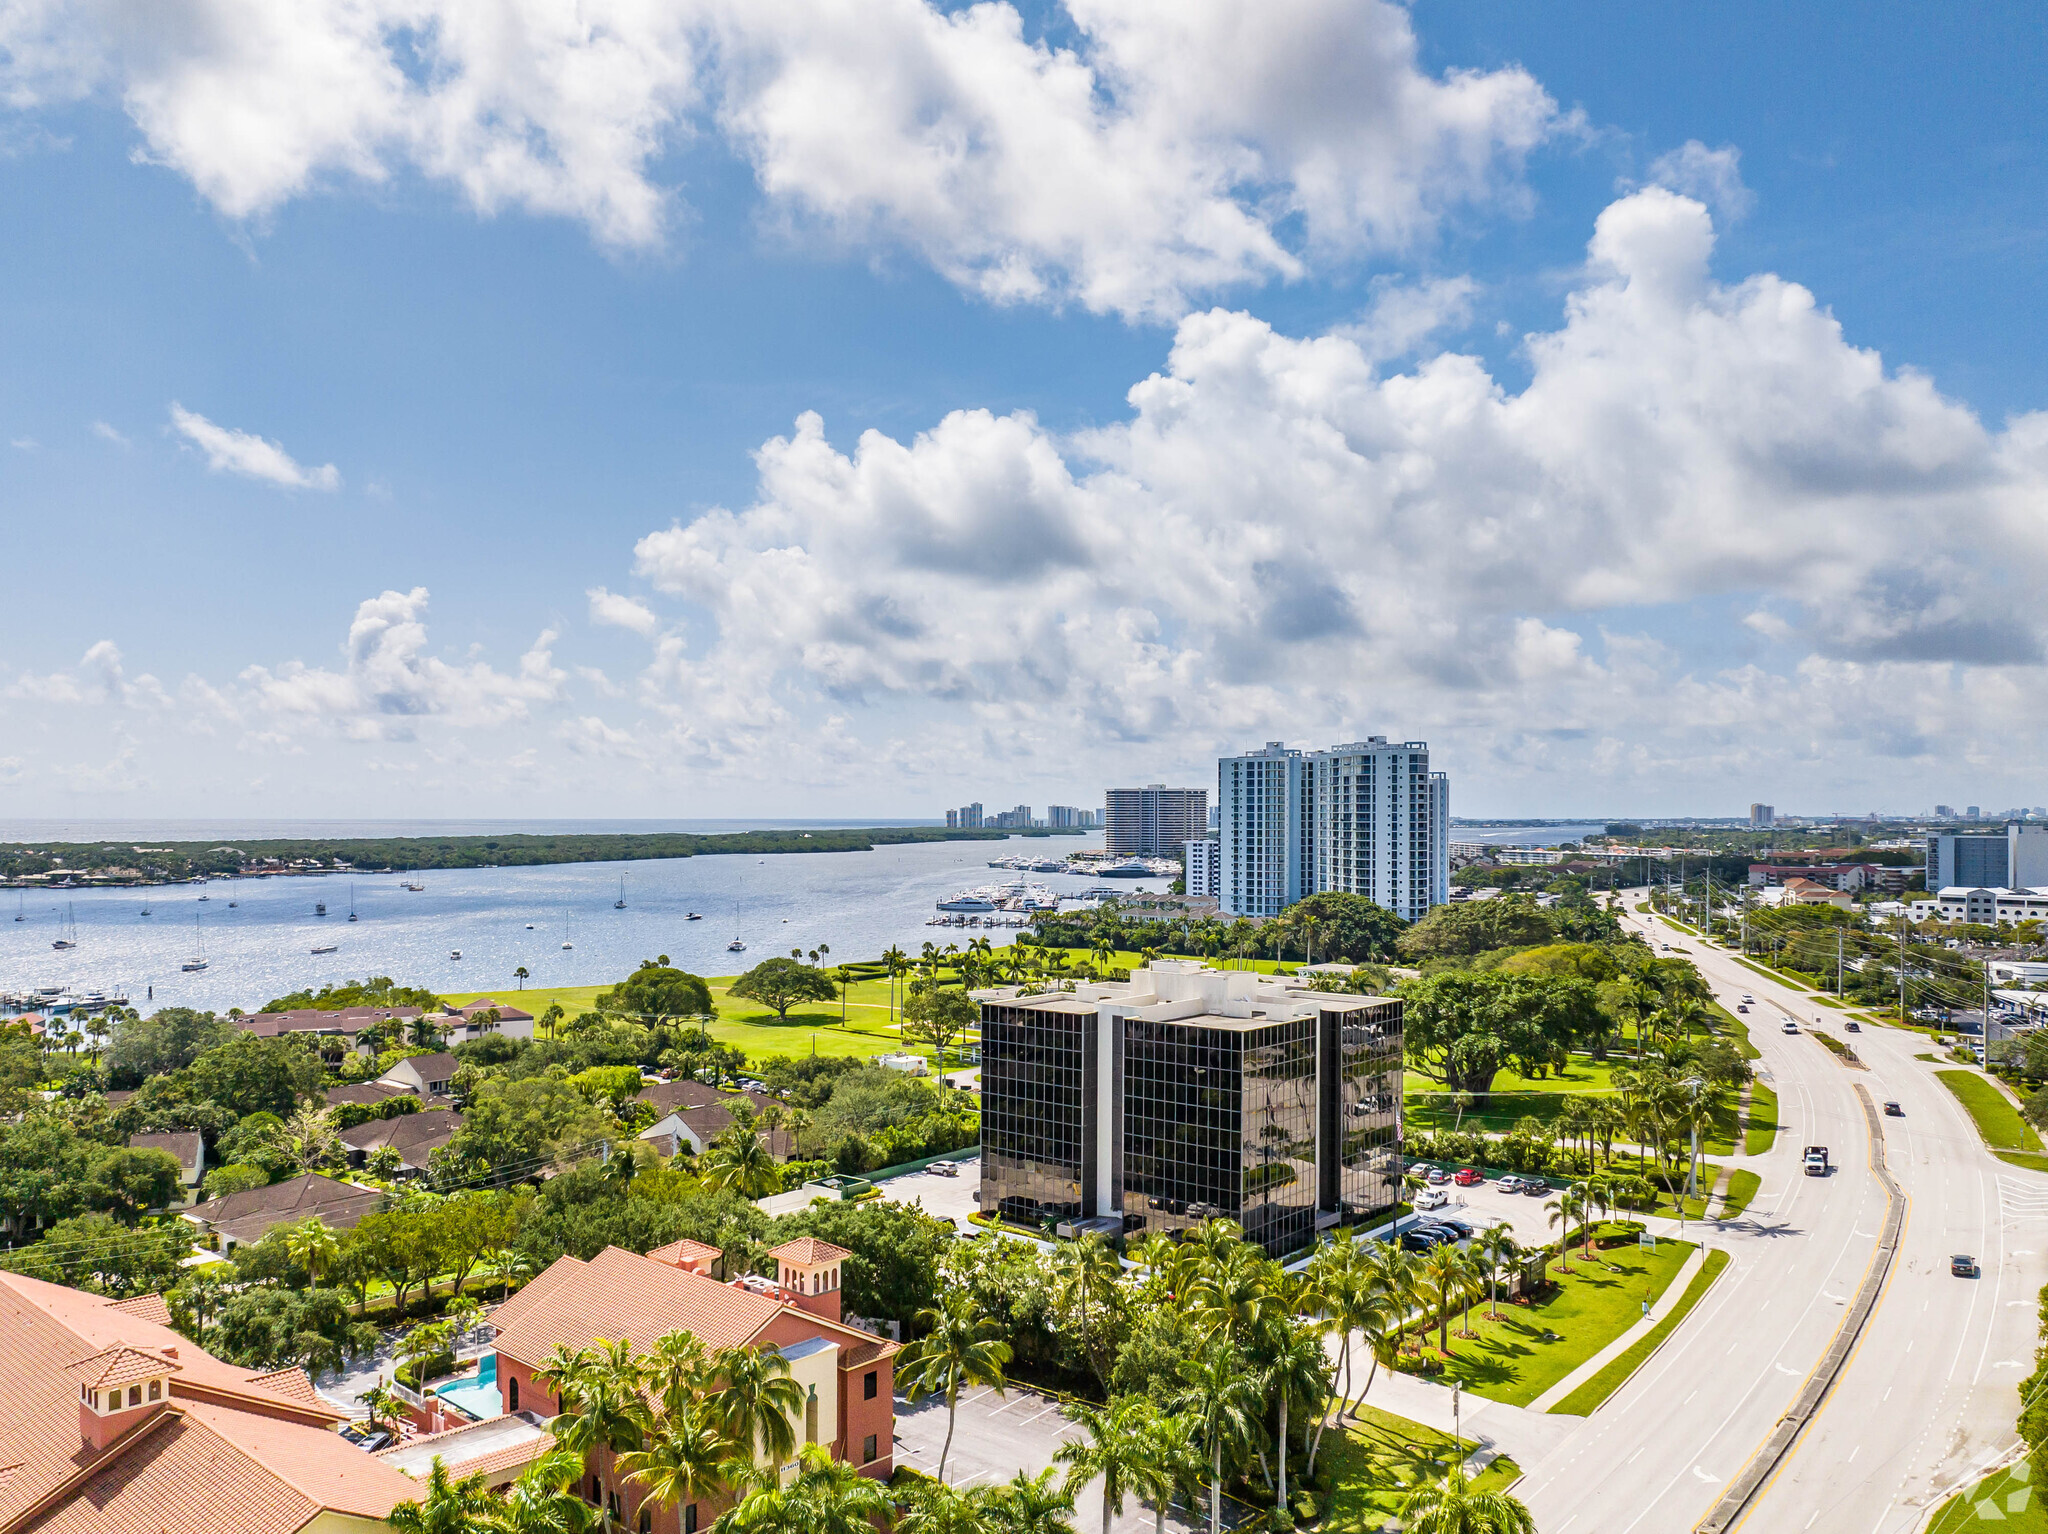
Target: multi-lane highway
{"points": [[1927, 1395]]}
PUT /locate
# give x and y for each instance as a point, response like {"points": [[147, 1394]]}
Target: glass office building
{"points": [[1188, 1095]]}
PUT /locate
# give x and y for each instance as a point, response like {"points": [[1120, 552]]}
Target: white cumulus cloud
{"points": [[239, 452], [1159, 152], [617, 610]]}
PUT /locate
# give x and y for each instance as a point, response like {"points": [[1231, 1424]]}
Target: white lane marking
{"points": [[1783, 1369], [1709, 1479]]}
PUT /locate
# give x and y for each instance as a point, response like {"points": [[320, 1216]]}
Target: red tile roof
{"points": [[621, 1295], [232, 1451], [113, 1367], [807, 1250], [676, 1253]]}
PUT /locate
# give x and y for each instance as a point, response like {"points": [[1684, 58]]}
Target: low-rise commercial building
{"points": [[1189, 1094], [1991, 905]]}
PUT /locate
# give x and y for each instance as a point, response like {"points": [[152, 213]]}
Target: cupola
{"points": [[809, 1270], [117, 1388]]}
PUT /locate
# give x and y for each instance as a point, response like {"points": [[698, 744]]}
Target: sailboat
{"points": [[70, 937], [620, 903], [237, 887], [198, 960], [19, 913], [351, 902], [145, 908]]}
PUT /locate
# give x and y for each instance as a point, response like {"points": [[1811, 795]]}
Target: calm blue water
{"points": [[858, 902], [36, 832], [1527, 836]]}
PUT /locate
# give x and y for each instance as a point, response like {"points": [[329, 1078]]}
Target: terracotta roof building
{"points": [[110, 1421], [348, 1021], [249, 1216], [848, 1374], [415, 1136]]}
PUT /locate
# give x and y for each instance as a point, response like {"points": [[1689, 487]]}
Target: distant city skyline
{"points": [[1625, 403]]}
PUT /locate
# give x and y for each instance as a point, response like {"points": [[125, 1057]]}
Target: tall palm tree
{"points": [[1566, 1210], [449, 1507], [600, 1388], [1454, 1507], [382, 1403], [960, 1346], [1298, 1373], [1222, 1398], [1115, 1447], [827, 1496], [1085, 1275], [1496, 1250], [743, 1164], [896, 962], [1026, 1504], [760, 1404], [1173, 1464], [678, 1371], [1445, 1272], [544, 1501], [933, 1507], [686, 1457]]}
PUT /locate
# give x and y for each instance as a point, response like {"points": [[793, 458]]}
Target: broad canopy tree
{"points": [[782, 983], [1461, 1028]]}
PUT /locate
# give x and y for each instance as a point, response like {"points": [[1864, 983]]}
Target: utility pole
{"points": [[1838, 962], [1984, 1034], [1902, 969]]}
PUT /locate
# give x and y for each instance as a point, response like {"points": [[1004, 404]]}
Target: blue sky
{"points": [[468, 335]]}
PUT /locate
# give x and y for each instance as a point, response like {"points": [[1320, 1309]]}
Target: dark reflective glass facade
{"points": [[1362, 1111], [1038, 1105]]}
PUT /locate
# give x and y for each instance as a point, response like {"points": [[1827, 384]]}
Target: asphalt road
{"points": [[1928, 1394]]}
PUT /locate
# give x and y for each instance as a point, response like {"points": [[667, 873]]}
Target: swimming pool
{"points": [[476, 1394]]}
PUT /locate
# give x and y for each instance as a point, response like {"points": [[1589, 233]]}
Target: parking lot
{"points": [[998, 1435], [950, 1198], [1484, 1205]]}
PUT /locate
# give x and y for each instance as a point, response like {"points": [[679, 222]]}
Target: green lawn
{"points": [[1763, 1120], [2007, 1497], [1997, 1120], [1589, 1397], [1426, 1105], [1768, 973], [1742, 1186], [1594, 1303], [1376, 1460]]}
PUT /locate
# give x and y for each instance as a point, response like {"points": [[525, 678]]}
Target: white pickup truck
{"points": [[1816, 1161]]}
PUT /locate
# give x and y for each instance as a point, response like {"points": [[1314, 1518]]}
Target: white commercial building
{"points": [[1366, 818], [1991, 904], [1204, 859]]}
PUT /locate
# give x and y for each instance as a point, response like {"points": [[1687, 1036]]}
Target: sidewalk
{"points": [[1666, 1302]]}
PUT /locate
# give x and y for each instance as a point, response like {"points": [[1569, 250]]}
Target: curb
{"points": [[1744, 1490]]}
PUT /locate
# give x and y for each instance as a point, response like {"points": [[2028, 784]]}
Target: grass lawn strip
{"points": [[1375, 1460], [1742, 1186], [1588, 1398], [2012, 1500], [2026, 1159], [1763, 1120], [1997, 1120], [1510, 1362], [1771, 974]]}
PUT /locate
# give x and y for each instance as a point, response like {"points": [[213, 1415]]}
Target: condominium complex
{"points": [[1066, 817], [1368, 818], [1190, 1094], [1153, 821]]}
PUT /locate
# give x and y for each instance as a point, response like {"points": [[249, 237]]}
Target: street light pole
{"points": [[1694, 1085]]}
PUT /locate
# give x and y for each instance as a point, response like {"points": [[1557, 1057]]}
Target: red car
{"points": [[1468, 1177]]}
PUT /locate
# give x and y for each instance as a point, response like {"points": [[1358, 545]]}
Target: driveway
{"points": [[950, 1198]]}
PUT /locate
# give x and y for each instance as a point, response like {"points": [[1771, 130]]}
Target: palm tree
{"points": [[1299, 1371], [1115, 1448], [1565, 1211], [1087, 1271], [743, 1164], [686, 1458], [896, 962], [960, 1346], [936, 1508], [826, 1497], [1444, 1270], [1173, 1464], [313, 1247], [600, 1388], [1026, 1504], [760, 1404], [520, 974], [449, 1507], [1222, 1398], [1454, 1507], [1497, 1251], [544, 1501], [678, 1371], [382, 1403]]}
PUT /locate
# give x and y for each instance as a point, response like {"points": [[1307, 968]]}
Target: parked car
{"points": [[365, 1437], [1509, 1184], [1963, 1265], [1436, 1175], [1422, 1238], [1893, 1110], [946, 1168], [1458, 1228], [1534, 1187], [1431, 1198], [1469, 1177]]}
